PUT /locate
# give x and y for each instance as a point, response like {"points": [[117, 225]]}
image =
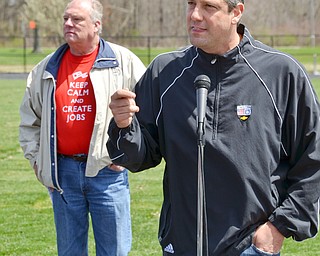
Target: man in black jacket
{"points": [[262, 131]]}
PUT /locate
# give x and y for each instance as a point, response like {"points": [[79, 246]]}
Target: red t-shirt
{"points": [[75, 102]]}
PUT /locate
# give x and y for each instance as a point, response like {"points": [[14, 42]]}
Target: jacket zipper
{"points": [[215, 106], [216, 112]]}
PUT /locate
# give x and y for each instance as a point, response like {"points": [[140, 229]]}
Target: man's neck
{"points": [[83, 49]]}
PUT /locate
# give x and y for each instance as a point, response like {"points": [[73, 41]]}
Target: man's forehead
{"points": [[78, 6]]}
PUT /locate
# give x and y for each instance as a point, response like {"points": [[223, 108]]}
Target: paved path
{"points": [[18, 76]]}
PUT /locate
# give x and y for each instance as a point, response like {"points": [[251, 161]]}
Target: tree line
{"points": [[157, 17]]}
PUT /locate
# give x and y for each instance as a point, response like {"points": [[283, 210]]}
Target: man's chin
{"points": [[69, 36], [70, 39], [197, 42]]}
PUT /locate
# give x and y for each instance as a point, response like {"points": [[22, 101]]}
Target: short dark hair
{"points": [[233, 3]]}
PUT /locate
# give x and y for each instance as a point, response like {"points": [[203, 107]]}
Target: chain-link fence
{"points": [[20, 54]]}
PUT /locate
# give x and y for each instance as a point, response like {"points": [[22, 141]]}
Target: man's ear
{"points": [[97, 25], [237, 13]]}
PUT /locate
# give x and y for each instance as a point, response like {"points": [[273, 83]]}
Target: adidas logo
{"points": [[169, 249]]}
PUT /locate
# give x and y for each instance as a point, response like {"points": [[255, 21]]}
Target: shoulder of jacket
{"points": [[120, 50], [172, 55], [41, 66]]}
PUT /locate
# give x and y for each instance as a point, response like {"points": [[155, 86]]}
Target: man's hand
{"points": [[116, 168], [268, 239], [123, 107]]}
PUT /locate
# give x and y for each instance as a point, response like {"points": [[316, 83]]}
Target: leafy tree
{"points": [[153, 17]]}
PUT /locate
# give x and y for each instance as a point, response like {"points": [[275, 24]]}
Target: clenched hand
{"points": [[123, 107]]}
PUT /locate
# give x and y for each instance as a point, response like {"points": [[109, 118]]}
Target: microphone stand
{"points": [[202, 233]]}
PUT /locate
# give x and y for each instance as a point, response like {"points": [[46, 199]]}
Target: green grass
{"points": [[26, 218], [12, 59]]}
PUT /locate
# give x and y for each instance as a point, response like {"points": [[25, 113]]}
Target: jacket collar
{"points": [[106, 58], [233, 53]]}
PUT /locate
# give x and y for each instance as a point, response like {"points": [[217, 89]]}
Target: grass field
{"points": [[26, 218], [16, 61], [12, 59]]}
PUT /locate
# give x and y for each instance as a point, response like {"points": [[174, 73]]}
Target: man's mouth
{"points": [[197, 29]]}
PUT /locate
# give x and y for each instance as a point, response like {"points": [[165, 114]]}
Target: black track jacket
{"points": [[262, 154]]}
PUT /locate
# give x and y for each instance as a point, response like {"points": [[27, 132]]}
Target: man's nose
{"points": [[68, 22], [196, 14]]}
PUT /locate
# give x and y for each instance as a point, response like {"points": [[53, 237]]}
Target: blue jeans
{"points": [[105, 197], [254, 251]]}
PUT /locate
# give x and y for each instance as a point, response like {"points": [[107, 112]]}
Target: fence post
{"points": [[315, 71], [313, 35], [25, 54], [149, 49]]}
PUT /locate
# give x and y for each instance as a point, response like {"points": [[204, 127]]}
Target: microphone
{"points": [[202, 84]]}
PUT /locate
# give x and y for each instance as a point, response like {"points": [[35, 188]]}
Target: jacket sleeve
{"points": [[137, 146], [132, 147], [298, 214], [30, 118]]}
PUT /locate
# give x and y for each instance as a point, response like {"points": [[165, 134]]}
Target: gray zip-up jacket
{"points": [[115, 67], [261, 155]]}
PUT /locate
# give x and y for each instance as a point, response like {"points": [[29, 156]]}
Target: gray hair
{"points": [[96, 13], [233, 3]]}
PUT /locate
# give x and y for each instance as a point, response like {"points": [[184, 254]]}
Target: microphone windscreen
{"points": [[202, 81]]}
